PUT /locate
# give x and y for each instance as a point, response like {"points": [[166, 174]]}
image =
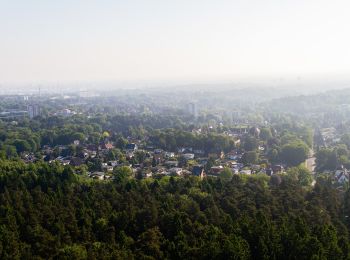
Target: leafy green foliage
{"points": [[226, 174], [265, 133], [294, 153], [300, 174], [326, 159], [250, 143], [47, 212], [250, 157]]}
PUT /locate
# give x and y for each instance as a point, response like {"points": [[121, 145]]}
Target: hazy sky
{"points": [[67, 40]]}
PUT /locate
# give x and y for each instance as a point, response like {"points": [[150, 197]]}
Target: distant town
{"points": [[196, 141]]}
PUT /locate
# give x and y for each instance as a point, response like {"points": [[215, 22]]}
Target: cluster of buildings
{"points": [[328, 136], [146, 161], [33, 110], [183, 162], [155, 163], [65, 112], [341, 176]]}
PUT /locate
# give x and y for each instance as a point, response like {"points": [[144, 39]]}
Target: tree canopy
{"points": [[50, 211]]}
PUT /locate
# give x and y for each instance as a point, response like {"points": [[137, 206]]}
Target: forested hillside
{"points": [[49, 211]]}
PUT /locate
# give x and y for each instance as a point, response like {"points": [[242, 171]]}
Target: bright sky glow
{"points": [[67, 40]]}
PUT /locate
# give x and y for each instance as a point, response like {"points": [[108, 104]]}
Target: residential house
{"points": [[343, 178], [107, 146], [199, 152], [341, 175], [171, 163], [131, 147], [245, 171], [92, 147], [158, 157], [176, 171], [169, 154], [129, 154], [113, 163], [76, 161], [147, 174], [185, 150], [231, 155], [188, 156], [213, 155], [110, 168], [216, 170], [158, 151], [235, 170], [97, 175], [198, 170], [277, 169], [268, 171]]}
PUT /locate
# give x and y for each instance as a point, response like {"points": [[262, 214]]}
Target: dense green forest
{"points": [[51, 212]]}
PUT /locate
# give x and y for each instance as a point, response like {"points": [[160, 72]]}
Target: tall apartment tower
{"points": [[33, 110], [192, 109]]}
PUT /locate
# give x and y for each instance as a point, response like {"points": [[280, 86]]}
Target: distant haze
{"points": [[173, 41]]}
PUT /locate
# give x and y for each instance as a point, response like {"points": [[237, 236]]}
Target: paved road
{"points": [[310, 163]]}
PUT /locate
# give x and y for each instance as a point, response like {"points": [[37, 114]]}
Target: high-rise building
{"points": [[192, 109], [33, 110]]}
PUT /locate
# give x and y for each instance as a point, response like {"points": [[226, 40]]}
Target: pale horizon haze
{"points": [[172, 40]]}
